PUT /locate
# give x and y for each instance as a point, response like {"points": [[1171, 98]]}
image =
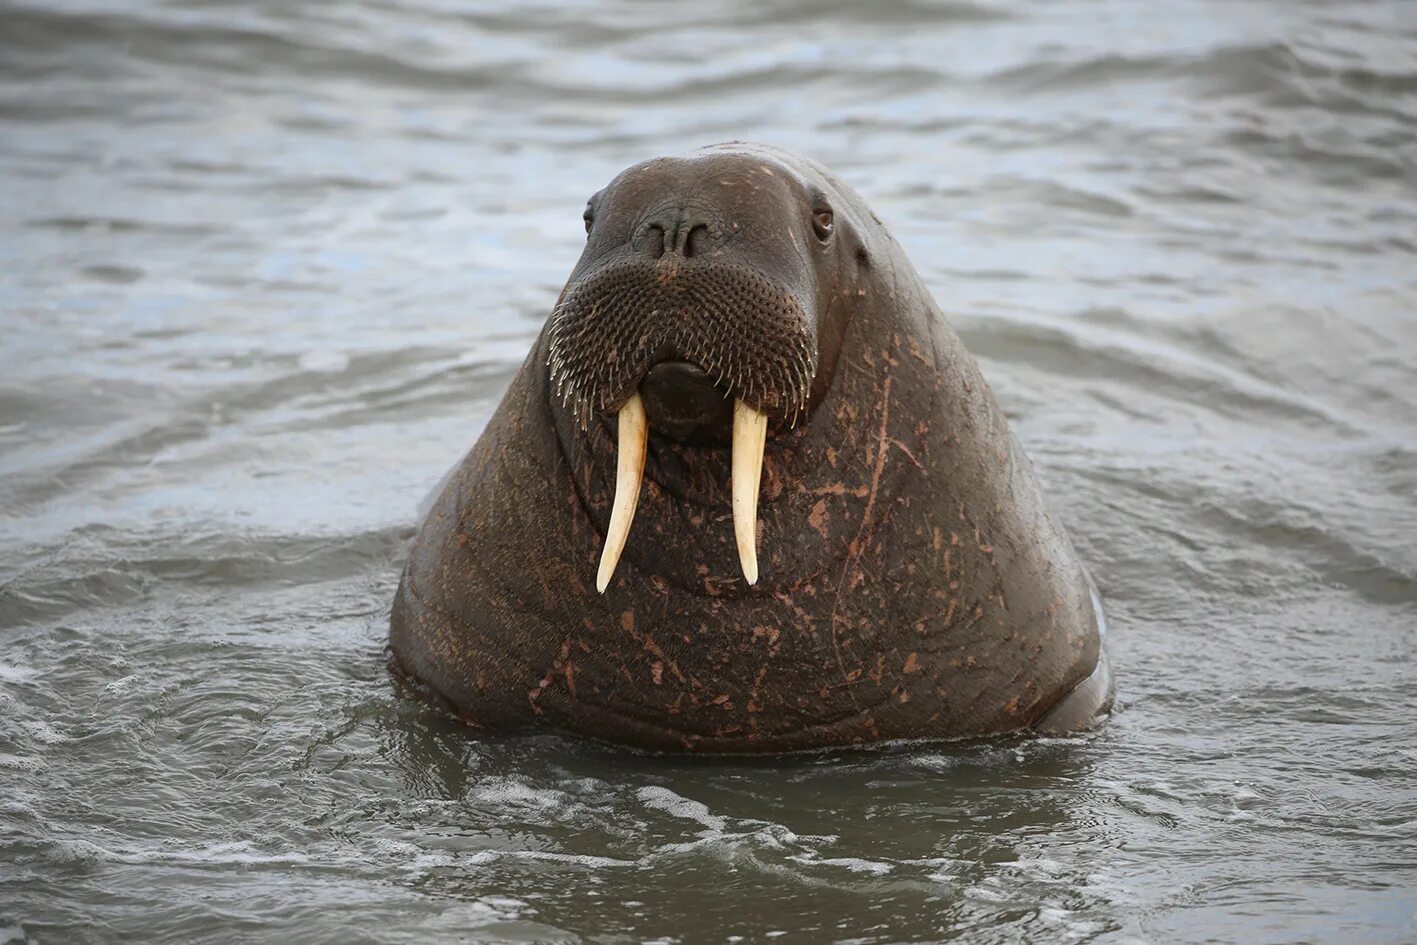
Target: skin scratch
{"points": [[857, 543]]}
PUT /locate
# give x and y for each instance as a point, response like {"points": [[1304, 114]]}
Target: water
{"points": [[266, 268]]}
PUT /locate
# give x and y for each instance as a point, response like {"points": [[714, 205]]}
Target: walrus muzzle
{"points": [[744, 329]]}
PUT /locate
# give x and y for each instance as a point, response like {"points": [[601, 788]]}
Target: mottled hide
{"points": [[913, 583]]}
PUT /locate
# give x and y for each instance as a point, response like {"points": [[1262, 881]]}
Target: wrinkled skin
{"points": [[913, 583]]}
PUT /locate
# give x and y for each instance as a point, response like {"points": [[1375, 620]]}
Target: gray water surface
{"points": [[266, 268]]}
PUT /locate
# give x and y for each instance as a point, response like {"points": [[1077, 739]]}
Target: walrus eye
{"points": [[589, 220], [822, 223]]}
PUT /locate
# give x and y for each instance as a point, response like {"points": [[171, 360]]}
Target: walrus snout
{"points": [[749, 330], [683, 403]]}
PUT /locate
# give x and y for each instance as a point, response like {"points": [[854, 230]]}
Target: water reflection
{"points": [[606, 840]]}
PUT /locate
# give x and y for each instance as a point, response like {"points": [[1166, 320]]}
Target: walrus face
{"points": [[695, 310]]}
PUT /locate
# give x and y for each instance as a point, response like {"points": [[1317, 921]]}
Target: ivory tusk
{"points": [[629, 472], [750, 434]]}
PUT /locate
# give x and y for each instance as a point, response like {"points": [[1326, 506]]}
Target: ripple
{"points": [[76, 577]]}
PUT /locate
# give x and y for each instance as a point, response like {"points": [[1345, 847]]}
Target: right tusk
{"points": [[750, 434], [629, 471]]}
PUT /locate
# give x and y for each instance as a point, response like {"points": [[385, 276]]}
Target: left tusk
{"points": [[629, 472], [750, 434]]}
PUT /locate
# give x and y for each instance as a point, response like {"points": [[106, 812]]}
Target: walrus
{"points": [[748, 493]]}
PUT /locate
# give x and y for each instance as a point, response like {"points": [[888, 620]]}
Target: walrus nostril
{"points": [[697, 239], [653, 241], [675, 232]]}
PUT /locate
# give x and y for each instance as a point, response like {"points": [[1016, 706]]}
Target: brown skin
{"points": [[913, 583]]}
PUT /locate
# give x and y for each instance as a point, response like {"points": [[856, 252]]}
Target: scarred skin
{"points": [[914, 585]]}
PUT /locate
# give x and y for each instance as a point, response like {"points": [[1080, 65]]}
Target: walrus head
{"points": [[701, 308]]}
